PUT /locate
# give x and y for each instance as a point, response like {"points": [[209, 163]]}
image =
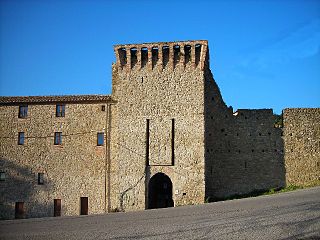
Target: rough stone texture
{"points": [[217, 152], [160, 93], [244, 151], [302, 145], [72, 170]]}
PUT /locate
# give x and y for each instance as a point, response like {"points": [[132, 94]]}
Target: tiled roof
{"points": [[54, 99]]}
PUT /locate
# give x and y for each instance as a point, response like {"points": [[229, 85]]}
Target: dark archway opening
{"points": [[160, 192]]}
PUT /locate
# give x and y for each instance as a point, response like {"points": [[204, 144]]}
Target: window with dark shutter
{"points": [[2, 176], [21, 138], [60, 110], [23, 111], [100, 139], [57, 138], [40, 178]]}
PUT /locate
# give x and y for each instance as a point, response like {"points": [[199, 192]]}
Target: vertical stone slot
{"points": [[144, 56], [176, 54], [147, 142], [155, 56], [134, 58], [172, 142], [187, 54], [197, 53], [122, 56], [165, 56]]}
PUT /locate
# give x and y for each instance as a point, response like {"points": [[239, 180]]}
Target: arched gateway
{"points": [[160, 191]]}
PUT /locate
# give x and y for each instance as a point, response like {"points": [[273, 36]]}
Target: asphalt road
{"points": [[292, 215]]}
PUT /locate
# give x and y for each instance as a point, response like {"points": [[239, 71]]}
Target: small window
{"points": [[103, 108], [2, 176], [100, 139], [23, 111], [57, 138], [21, 138], [60, 110], [40, 178]]}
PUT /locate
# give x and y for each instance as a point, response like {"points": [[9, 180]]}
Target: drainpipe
{"points": [[107, 167], [105, 162]]}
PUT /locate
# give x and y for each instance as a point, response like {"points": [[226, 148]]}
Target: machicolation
{"points": [[162, 55]]}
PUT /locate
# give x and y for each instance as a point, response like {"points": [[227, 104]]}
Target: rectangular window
{"points": [[40, 178], [2, 176], [21, 138], [23, 111], [100, 138], [60, 110], [57, 138]]}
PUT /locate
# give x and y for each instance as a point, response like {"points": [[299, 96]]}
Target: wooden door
{"points": [[83, 206], [57, 207], [19, 210]]}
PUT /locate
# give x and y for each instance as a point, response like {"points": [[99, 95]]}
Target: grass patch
{"points": [[257, 193], [281, 190], [313, 183]]}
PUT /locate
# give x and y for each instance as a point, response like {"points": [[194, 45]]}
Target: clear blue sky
{"points": [[264, 54]]}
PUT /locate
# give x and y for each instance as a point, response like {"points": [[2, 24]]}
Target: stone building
{"points": [[50, 154], [164, 137]]}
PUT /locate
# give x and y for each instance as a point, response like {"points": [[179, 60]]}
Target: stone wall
{"points": [[75, 169], [244, 151], [302, 145]]}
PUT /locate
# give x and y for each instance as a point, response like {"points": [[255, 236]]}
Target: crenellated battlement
{"points": [[162, 55]]}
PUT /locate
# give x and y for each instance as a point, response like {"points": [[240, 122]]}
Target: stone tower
{"points": [[158, 123]]}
